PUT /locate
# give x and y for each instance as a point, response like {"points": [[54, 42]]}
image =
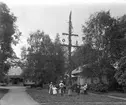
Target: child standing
{"points": [[54, 90]]}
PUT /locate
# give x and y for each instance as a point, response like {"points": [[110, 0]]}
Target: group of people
{"points": [[82, 88], [61, 88], [54, 90]]}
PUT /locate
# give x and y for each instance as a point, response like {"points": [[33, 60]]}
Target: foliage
{"points": [[119, 51], [116, 39], [95, 29], [84, 55], [120, 74], [9, 34], [44, 58], [106, 35], [100, 33], [59, 57], [23, 52], [98, 87]]}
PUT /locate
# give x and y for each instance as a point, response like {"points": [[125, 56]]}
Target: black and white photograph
{"points": [[62, 52]]}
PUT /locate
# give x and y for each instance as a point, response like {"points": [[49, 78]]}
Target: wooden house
{"points": [[82, 75]]}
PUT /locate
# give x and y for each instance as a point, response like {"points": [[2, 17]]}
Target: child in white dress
{"points": [[54, 90]]}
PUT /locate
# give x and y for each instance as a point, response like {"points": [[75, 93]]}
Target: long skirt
{"points": [[54, 92], [50, 91], [69, 92], [59, 91]]}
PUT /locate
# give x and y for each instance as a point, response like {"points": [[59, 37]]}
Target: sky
{"points": [[51, 16]]}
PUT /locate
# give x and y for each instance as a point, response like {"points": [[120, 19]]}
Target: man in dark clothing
{"points": [[78, 89], [61, 85]]}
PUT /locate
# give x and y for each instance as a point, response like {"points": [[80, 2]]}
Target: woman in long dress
{"points": [[50, 88], [69, 90]]}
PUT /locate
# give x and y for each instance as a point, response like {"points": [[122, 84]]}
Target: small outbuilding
{"points": [[84, 74]]}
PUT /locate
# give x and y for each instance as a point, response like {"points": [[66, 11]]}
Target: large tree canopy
{"points": [[45, 59], [103, 43], [9, 34], [84, 55], [106, 35]]}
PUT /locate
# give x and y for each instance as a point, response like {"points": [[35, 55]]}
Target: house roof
{"points": [[73, 76], [77, 70]]}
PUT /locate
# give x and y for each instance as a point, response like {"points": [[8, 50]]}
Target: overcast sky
{"points": [[51, 16]]}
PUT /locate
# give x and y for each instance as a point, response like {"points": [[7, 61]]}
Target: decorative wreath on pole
{"points": [[63, 40]]}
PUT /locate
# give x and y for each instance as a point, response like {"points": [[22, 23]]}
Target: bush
{"points": [[120, 74], [98, 87]]}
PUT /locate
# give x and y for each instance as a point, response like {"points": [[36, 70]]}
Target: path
{"points": [[17, 96], [116, 97], [111, 96]]}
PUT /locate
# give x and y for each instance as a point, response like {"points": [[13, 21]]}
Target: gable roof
{"points": [[77, 70], [80, 69]]}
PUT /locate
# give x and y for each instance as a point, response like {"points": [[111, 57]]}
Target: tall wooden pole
{"points": [[70, 46]]}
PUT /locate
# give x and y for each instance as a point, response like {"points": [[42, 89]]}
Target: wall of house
{"points": [[74, 80], [104, 79], [96, 80], [82, 80]]}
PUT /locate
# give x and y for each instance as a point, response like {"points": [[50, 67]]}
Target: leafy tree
{"points": [[95, 30], [84, 55], [116, 36], [45, 59], [98, 36], [23, 52], [9, 34], [117, 47], [59, 58], [120, 74], [107, 35]]}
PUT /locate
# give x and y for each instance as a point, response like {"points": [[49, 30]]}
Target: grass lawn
{"points": [[3, 92], [117, 94], [43, 97]]}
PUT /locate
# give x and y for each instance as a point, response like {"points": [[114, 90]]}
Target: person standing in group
{"points": [[69, 90], [50, 88], [54, 89], [78, 89], [61, 86], [64, 88], [85, 88]]}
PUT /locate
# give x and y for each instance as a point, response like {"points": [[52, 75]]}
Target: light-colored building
{"points": [[14, 76], [80, 78]]}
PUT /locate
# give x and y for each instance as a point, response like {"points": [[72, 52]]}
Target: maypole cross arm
{"points": [[71, 45], [68, 34]]}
